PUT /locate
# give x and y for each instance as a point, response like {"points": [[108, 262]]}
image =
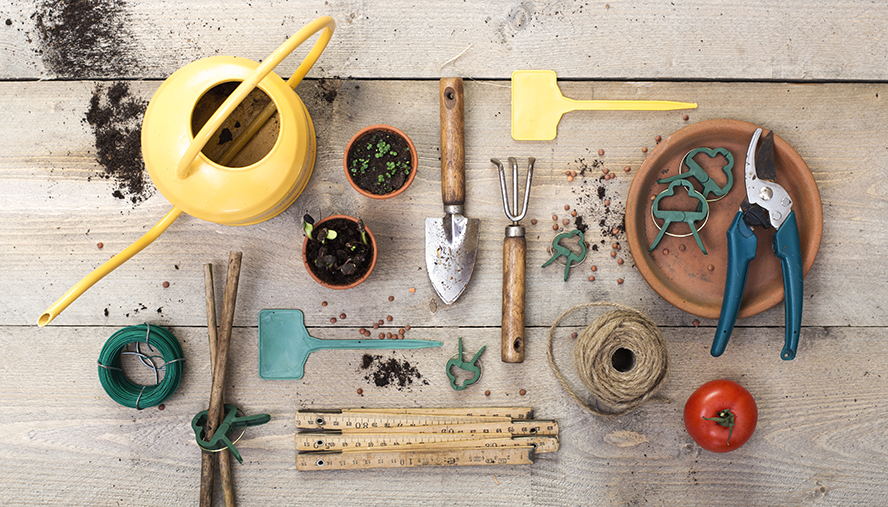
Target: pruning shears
{"points": [[767, 204]]}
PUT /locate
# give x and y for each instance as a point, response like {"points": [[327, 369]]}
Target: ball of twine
{"points": [[644, 372]]}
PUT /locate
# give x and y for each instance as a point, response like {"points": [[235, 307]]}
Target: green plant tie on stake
{"points": [[220, 438], [123, 390]]}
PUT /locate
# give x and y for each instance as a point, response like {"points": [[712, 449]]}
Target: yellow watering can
{"points": [[210, 190]]}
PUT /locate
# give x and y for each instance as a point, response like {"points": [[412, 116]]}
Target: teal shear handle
{"points": [[767, 204], [787, 248], [741, 250]]}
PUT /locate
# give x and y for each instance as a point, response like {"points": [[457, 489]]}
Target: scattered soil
{"points": [[225, 136], [379, 162], [592, 196], [328, 89], [340, 248], [597, 205], [85, 38], [115, 116], [385, 372]]}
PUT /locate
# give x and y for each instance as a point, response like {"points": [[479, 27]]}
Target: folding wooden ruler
{"points": [[396, 438]]}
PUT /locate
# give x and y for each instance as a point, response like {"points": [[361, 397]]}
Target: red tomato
{"points": [[720, 416]]}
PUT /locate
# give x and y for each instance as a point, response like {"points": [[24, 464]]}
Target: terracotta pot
{"points": [[310, 269], [687, 278], [391, 130]]}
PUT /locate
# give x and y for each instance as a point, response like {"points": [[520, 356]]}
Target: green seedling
{"points": [[335, 252], [308, 225], [323, 233], [363, 231]]}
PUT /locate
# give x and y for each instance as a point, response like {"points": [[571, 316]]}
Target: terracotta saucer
{"points": [[677, 269]]}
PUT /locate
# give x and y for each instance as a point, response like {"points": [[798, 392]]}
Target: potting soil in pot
{"points": [[379, 162], [346, 247]]}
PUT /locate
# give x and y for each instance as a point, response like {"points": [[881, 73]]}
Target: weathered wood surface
{"points": [[50, 237], [789, 40], [820, 438]]}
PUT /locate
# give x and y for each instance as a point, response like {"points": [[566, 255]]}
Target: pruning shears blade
{"points": [[764, 158], [767, 203]]}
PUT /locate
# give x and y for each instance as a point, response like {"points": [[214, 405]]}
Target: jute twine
{"points": [[616, 391]]}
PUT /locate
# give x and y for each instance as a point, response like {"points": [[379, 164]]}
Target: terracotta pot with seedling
{"points": [[339, 251], [380, 161]]}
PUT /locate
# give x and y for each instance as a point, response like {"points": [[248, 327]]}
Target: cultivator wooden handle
{"points": [[514, 251]]}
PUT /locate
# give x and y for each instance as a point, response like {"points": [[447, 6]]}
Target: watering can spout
{"points": [[89, 280]]}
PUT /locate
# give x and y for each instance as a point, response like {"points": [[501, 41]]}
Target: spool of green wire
{"points": [[123, 390]]}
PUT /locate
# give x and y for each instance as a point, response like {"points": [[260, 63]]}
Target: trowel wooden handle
{"points": [[514, 250], [453, 156]]}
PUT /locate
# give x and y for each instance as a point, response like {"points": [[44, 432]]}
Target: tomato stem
{"points": [[725, 419]]}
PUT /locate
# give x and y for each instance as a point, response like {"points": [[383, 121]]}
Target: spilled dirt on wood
{"points": [[85, 38], [115, 116]]}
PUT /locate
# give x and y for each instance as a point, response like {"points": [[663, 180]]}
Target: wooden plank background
{"points": [[814, 73], [662, 39]]}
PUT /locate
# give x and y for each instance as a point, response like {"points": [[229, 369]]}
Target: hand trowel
{"points": [[451, 242], [537, 105]]}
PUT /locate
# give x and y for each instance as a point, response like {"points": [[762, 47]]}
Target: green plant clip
{"points": [[710, 187], [220, 436], [688, 217], [569, 255], [457, 361]]}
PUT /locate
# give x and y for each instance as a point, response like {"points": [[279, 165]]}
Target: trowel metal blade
{"points": [[451, 245]]}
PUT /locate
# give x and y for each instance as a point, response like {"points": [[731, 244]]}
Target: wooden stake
{"points": [[207, 461], [219, 346], [224, 456], [211, 312]]}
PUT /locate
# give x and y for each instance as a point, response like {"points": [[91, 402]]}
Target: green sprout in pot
{"points": [[348, 268], [363, 231], [323, 233], [326, 261], [337, 255], [379, 162], [308, 224]]}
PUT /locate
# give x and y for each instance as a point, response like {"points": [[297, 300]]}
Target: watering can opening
{"points": [[248, 144], [224, 141]]}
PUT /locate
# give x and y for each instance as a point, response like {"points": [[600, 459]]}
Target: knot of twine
{"points": [[623, 328]]}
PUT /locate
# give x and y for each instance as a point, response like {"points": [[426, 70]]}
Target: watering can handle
{"points": [[325, 23]]}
